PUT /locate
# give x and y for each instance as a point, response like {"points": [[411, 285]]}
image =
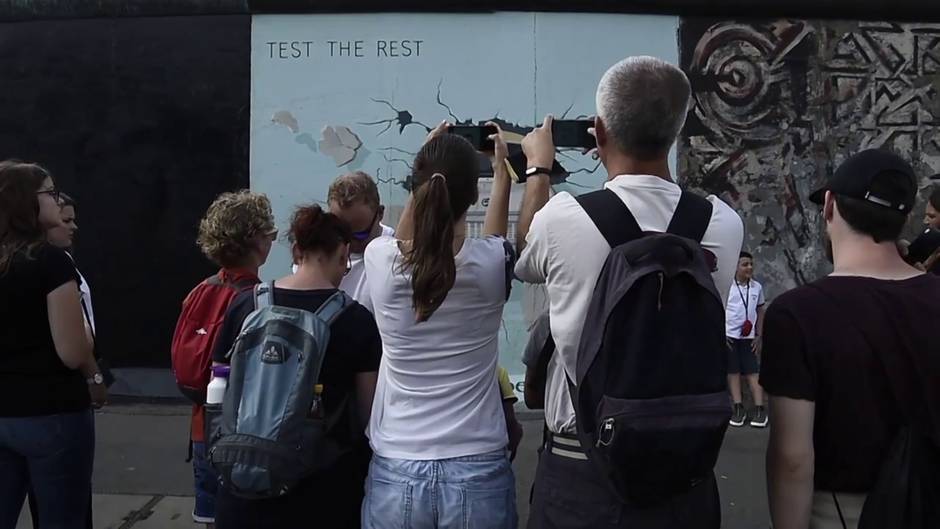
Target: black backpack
{"points": [[651, 389]]}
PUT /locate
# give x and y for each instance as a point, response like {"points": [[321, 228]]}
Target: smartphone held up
{"points": [[477, 135], [573, 133]]}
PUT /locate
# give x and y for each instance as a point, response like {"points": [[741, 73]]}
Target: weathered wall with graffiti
{"points": [[779, 104]]}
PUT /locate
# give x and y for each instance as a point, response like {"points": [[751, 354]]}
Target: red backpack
{"points": [[197, 329]]}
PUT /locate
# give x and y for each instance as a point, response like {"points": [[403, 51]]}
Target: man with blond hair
{"points": [[354, 197]]}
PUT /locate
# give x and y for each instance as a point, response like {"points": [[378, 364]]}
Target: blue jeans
{"points": [[206, 485], [475, 492], [55, 454]]}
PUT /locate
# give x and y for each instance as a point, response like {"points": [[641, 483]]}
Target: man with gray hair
{"points": [[641, 106]]}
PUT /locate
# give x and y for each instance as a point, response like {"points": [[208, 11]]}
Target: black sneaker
{"points": [[759, 420], [738, 416]]}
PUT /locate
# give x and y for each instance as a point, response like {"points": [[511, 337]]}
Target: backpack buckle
{"points": [[607, 433]]}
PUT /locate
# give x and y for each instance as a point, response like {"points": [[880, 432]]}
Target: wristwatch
{"points": [[96, 380], [532, 171]]}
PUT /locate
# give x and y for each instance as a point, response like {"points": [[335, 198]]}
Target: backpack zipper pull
{"points": [[659, 300], [607, 433]]}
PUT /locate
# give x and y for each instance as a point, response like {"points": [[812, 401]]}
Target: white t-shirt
{"points": [[735, 312], [437, 396], [87, 310], [566, 251], [354, 283]]}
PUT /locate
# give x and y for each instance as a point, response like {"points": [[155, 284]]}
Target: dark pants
{"points": [[570, 494], [54, 454], [34, 511]]}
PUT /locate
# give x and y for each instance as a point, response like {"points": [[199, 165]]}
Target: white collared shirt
{"points": [[743, 302], [565, 250]]}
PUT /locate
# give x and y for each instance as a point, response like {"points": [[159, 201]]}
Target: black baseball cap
{"points": [[877, 176]]}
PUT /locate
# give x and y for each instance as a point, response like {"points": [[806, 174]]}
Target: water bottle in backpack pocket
{"points": [[268, 440], [215, 395]]}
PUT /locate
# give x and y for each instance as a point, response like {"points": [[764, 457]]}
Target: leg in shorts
{"points": [[741, 358]]}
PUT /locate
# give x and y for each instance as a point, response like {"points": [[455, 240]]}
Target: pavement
{"points": [[142, 480]]}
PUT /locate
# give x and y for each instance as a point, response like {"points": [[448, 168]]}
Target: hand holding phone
{"points": [[573, 133], [477, 135]]}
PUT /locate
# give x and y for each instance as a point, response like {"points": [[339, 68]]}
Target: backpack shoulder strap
{"points": [[692, 217], [611, 216], [264, 295], [334, 307]]}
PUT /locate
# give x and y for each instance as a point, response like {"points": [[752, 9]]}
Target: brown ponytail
{"points": [[445, 180]]}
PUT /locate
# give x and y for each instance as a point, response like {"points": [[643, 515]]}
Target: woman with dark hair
{"points": [[46, 364], [63, 236], [331, 498], [437, 428]]}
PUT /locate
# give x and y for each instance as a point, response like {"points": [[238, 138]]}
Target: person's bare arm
{"points": [[365, 394], [757, 344], [67, 324], [790, 462], [513, 428], [497, 210], [534, 393], [539, 149]]}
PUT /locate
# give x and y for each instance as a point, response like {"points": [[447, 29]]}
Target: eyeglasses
{"points": [[366, 233], [54, 193], [272, 234]]}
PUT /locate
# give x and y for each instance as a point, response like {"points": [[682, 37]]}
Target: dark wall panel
{"points": [[144, 121], [918, 10]]}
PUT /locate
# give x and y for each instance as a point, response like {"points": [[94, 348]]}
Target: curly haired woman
{"points": [[236, 234]]}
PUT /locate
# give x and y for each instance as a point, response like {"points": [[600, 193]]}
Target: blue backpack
{"points": [[266, 439]]}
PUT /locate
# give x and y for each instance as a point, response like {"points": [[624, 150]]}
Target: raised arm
{"points": [[539, 149], [497, 211]]}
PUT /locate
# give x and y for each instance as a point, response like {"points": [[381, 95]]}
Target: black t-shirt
{"points": [[823, 342], [355, 347], [33, 380]]}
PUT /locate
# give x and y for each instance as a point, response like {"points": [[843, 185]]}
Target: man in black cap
{"points": [[836, 406]]}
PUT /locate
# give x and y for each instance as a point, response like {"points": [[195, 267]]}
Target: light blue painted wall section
{"points": [[518, 66]]}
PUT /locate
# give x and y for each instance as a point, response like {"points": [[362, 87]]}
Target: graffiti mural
{"points": [[779, 104]]}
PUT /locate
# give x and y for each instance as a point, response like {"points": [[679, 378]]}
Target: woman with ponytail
{"points": [[437, 429]]}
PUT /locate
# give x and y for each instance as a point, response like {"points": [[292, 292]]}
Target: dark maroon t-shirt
{"points": [[823, 343]]}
